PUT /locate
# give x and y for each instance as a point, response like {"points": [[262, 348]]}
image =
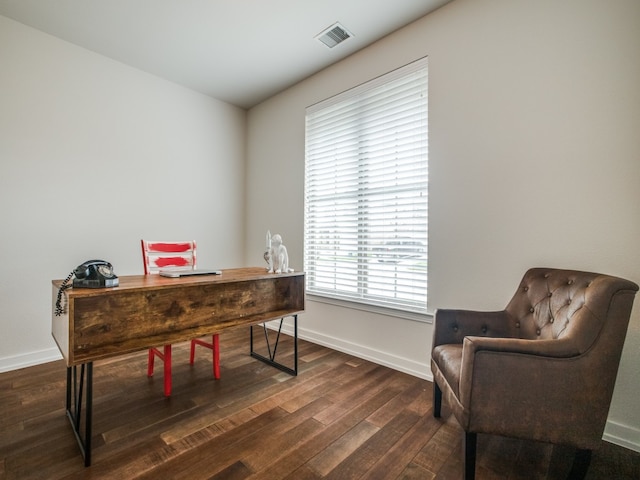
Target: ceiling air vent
{"points": [[334, 35]]}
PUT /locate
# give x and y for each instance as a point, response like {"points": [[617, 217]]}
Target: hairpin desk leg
{"points": [[270, 360], [75, 387]]}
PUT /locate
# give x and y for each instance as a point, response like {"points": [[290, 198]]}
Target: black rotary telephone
{"points": [[94, 274], [90, 274]]}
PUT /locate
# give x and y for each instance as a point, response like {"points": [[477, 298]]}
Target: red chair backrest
{"points": [[168, 255]]}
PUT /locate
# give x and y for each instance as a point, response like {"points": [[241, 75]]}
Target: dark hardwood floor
{"points": [[340, 418]]}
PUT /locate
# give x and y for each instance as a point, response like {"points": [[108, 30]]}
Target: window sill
{"points": [[415, 317]]}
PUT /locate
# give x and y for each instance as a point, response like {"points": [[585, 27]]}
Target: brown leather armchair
{"points": [[543, 368]]}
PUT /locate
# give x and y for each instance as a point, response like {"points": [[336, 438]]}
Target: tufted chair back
{"points": [[562, 304]]}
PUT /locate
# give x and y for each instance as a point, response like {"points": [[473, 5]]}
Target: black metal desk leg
{"points": [[270, 360], [75, 387]]}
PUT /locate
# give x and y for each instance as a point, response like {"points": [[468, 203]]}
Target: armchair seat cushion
{"points": [[448, 358]]}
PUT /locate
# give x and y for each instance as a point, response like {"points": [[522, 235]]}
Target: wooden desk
{"points": [[149, 310]]}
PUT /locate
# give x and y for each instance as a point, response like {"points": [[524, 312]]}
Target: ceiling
{"points": [[238, 51]]}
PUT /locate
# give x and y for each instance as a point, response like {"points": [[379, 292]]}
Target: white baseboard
{"points": [[30, 359], [622, 435], [405, 365]]}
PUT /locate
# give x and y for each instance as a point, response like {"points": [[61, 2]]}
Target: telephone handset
{"points": [[90, 274]]}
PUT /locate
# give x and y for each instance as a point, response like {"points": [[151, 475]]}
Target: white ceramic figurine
{"points": [[276, 255]]}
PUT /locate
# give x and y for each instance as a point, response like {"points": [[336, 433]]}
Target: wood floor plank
{"points": [[302, 473], [193, 451], [235, 420], [364, 457], [212, 413], [345, 398], [453, 466], [440, 446], [280, 445], [250, 445], [415, 472], [236, 471], [297, 460], [340, 450], [393, 462], [411, 391]]}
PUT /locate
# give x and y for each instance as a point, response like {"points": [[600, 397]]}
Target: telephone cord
{"points": [[60, 309]]}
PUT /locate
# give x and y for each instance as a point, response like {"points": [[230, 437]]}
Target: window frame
{"points": [[335, 297]]}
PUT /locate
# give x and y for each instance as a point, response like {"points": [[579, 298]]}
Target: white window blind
{"points": [[366, 193]]}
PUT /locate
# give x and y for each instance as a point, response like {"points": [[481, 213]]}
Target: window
{"points": [[366, 193]]}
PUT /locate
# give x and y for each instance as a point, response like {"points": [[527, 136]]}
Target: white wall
{"points": [[534, 161], [88, 147]]}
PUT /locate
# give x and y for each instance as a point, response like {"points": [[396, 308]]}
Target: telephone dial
{"points": [[90, 274]]}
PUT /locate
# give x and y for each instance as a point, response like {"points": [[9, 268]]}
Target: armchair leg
{"points": [[580, 465], [437, 400], [470, 441]]}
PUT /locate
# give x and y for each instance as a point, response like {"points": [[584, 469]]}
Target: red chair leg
{"points": [[150, 363], [214, 346], [192, 354], [167, 370], [216, 357], [165, 356]]}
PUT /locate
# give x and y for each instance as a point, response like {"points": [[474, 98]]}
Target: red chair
{"points": [[175, 256]]}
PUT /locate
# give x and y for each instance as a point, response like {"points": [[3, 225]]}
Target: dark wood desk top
{"points": [[149, 282], [149, 310]]}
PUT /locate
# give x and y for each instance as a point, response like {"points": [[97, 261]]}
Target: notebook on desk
{"points": [[188, 273]]}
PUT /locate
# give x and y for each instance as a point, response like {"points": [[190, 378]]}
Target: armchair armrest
{"points": [[558, 348], [533, 351], [451, 326]]}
